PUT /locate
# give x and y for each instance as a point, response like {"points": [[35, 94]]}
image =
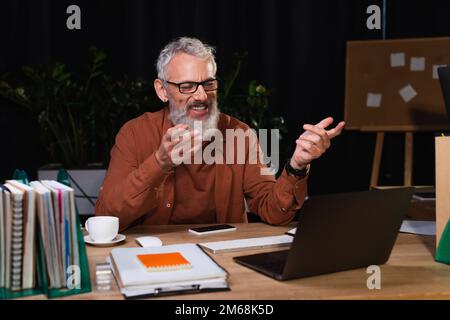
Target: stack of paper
{"points": [[427, 228], [56, 213], [196, 271]]}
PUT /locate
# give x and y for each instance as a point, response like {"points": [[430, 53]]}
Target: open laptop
{"points": [[444, 79], [338, 232]]}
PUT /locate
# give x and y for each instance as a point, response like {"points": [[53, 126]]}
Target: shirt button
{"points": [[168, 205]]}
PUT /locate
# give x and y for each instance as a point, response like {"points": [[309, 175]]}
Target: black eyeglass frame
{"points": [[196, 85]]}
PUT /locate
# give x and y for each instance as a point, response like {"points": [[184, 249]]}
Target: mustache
{"points": [[181, 111], [178, 115]]}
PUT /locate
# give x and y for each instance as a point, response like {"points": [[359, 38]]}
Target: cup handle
{"points": [[86, 225]]}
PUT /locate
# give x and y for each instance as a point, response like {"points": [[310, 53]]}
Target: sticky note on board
{"points": [[373, 100], [397, 59], [407, 93], [435, 70], [417, 64]]}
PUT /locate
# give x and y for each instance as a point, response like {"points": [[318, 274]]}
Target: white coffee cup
{"points": [[102, 228]]}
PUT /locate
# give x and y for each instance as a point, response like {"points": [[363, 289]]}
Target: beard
{"points": [[179, 116]]}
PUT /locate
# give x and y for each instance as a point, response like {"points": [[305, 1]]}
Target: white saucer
{"points": [[117, 239]]}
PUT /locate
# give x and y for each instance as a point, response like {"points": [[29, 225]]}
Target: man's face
{"points": [[189, 107]]}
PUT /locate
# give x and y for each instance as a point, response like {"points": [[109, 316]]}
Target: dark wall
{"points": [[296, 47]]}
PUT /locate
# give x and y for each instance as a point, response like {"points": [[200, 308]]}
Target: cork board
{"points": [[392, 85]]}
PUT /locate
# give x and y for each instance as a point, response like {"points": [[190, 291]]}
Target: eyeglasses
{"points": [[191, 86]]}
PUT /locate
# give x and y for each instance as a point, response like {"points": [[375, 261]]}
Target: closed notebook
{"points": [[133, 271], [29, 212], [7, 235], [164, 261], [16, 237], [2, 242], [47, 226]]}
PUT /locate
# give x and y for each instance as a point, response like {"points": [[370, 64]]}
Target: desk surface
{"points": [[410, 273]]}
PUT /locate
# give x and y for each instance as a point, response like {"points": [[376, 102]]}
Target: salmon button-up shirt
{"points": [[138, 191]]}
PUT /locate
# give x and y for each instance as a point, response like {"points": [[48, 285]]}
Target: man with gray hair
{"points": [[145, 185]]}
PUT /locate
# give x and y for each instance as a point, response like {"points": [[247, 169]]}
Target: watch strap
{"points": [[296, 172]]}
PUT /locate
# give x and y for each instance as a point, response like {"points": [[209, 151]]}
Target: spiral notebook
{"points": [[15, 252]]}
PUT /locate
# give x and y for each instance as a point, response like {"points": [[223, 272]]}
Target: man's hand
{"points": [[171, 146], [314, 142]]}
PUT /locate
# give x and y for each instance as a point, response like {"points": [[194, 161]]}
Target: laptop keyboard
{"points": [[249, 243]]}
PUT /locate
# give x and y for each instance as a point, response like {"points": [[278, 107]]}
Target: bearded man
{"points": [[144, 185]]}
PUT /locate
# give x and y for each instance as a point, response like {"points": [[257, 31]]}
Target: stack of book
{"points": [[172, 269], [49, 206]]}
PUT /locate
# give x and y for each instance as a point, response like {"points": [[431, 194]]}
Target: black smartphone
{"points": [[212, 229]]}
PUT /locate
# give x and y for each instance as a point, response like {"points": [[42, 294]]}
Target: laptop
{"points": [[444, 79], [338, 232]]}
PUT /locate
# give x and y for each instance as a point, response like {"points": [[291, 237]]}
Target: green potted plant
{"points": [[78, 117], [250, 103]]}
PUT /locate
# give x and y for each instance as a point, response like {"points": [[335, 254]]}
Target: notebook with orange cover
{"points": [[181, 268], [164, 261]]}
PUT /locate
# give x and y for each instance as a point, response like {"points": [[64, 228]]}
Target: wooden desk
{"points": [[410, 273]]}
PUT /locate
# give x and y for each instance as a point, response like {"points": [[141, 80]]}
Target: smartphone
{"points": [[212, 229]]}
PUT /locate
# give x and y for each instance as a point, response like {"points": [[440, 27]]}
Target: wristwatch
{"points": [[296, 172]]}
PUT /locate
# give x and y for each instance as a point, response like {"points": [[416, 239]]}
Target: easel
{"points": [[369, 70], [408, 162], [408, 150]]}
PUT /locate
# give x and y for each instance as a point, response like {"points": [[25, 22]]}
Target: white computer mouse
{"points": [[148, 241]]}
